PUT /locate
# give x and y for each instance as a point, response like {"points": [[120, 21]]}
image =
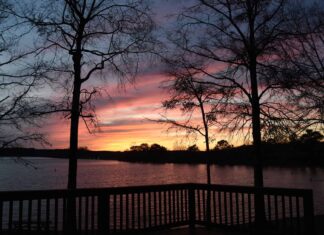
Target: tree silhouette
{"points": [[192, 98], [19, 81], [311, 136], [304, 68], [140, 148], [234, 45], [157, 148], [223, 144], [146, 148], [193, 148], [82, 40]]}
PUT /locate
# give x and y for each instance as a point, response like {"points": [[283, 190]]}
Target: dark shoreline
{"points": [[273, 155]]}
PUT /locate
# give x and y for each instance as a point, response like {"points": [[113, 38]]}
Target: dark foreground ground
{"points": [[319, 229], [196, 231]]}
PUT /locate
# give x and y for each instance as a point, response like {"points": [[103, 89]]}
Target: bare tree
{"points": [[82, 40], [18, 83], [196, 102], [237, 44], [304, 68]]}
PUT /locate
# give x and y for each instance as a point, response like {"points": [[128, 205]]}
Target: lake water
{"points": [[49, 173]]}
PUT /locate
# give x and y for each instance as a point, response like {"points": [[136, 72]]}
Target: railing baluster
{"points": [[249, 209], [20, 217], [283, 211], [187, 204], [173, 206], [225, 207], [115, 213], [64, 213], [10, 215], [269, 207], [55, 214], [276, 210], [214, 205], [231, 208], [127, 211], [47, 214], [121, 214], [80, 214], [165, 208], [219, 194], [93, 213], [155, 208], [198, 205], [1, 211], [160, 208], [182, 205], [178, 204], [243, 208], [298, 214], [204, 212], [133, 211], [169, 209], [86, 213], [149, 214], [138, 211], [39, 213], [291, 225], [237, 209], [144, 209]]}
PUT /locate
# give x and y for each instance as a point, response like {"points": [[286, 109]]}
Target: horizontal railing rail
{"points": [[126, 209]]}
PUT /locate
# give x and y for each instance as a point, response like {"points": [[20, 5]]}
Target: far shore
{"points": [[310, 154]]}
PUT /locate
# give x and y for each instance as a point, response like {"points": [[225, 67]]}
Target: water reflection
{"points": [[52, 174]]}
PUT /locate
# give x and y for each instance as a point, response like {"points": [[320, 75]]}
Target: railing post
{"points": [[192, 207], [103, 213], [309, 213], [70, 209], [259, 207]]}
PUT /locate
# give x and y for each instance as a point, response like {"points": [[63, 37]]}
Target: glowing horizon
{"points": [[123, 121]]}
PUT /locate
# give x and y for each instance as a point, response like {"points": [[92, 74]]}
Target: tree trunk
{"points": [[74, 130], [256, 133], [201, 104], [208, 199], [256, 123], [72, 179]]}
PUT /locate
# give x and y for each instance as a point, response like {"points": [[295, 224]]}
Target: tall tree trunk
{"points": [[208, 199], [74, 129], [201, 104], [256, 130], [72, 178], [256, 123]]}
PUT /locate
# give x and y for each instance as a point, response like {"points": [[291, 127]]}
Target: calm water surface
{"points": [[48, 173]]}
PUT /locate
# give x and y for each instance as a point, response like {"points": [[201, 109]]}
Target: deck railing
{"points": [[126, 209]]}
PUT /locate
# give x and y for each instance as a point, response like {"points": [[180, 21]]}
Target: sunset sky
{"points": [[123, 119], [123, 114]]}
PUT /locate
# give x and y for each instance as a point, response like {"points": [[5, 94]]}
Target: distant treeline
{"points": [[273, 154]]}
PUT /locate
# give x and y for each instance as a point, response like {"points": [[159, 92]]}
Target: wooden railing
{"points": [[126, 209], [287, 211]]}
